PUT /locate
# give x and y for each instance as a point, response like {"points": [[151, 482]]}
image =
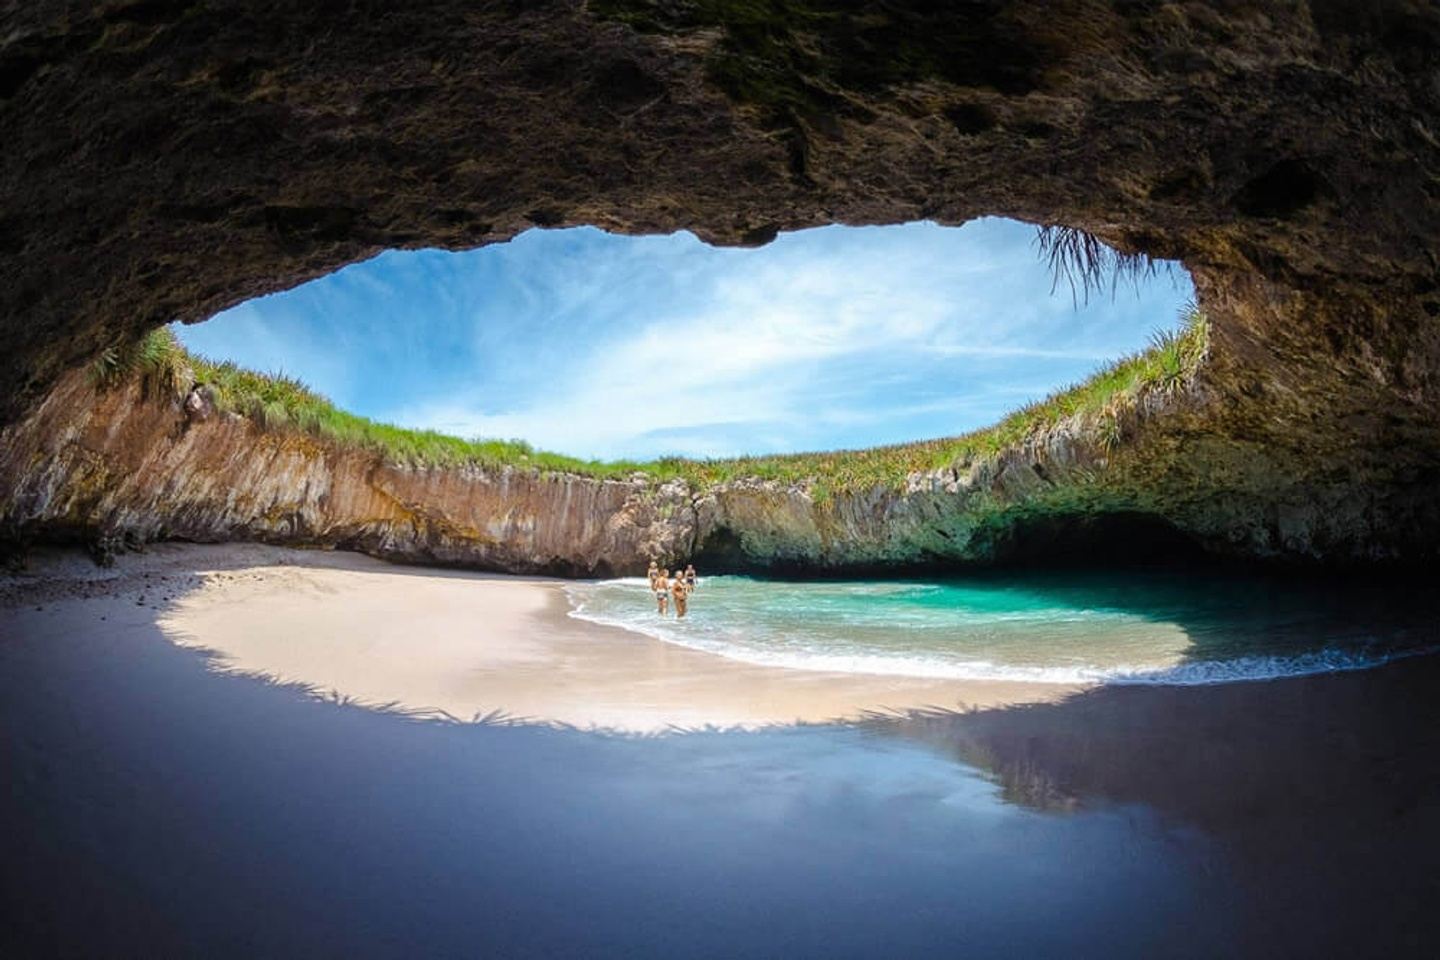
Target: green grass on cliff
{"points": [[277, 403]]}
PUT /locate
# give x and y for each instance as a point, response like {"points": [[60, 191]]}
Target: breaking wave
{"points": [[1147, 630]]}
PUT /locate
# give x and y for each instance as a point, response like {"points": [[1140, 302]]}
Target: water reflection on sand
{"points": [[156, 804]]}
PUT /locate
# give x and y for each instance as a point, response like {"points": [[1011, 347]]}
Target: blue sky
{"points": [[606, 346]]}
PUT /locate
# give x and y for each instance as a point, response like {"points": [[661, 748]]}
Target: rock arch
{"points": [[167, 158]]}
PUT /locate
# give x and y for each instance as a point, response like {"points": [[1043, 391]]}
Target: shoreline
{"points": [[461, 644], [157, 802]]}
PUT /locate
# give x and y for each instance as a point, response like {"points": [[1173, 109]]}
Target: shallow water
{"points": [[1154, 627]]}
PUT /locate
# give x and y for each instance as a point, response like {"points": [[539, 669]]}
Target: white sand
{"points": [[438, 640]]}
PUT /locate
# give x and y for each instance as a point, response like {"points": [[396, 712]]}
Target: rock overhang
{"points": [[168, 158]]}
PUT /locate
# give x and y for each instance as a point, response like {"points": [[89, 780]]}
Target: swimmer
{"points": [[662, 592], [682, 595]]}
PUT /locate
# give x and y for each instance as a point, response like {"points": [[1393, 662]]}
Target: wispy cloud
{"points": [[609, 346]]}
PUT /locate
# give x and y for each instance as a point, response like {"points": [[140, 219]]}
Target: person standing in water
{"points": [[689, 577], [653, 573], [662, 591], [681, 592]]}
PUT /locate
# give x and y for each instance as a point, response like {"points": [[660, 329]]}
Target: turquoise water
{"points": [[1146, 627]]}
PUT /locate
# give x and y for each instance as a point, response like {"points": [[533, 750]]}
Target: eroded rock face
{"points": [[167, 158], [119, 468]]}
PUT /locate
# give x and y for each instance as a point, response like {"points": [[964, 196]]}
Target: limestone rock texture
{"points": [[165, 159], [121, 469], [116, 468]]}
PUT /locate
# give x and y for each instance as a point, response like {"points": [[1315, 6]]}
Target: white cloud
{"points": [[755, 353], [616, 347]]}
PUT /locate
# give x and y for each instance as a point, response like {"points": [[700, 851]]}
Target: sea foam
{"points": [[752, 639]]}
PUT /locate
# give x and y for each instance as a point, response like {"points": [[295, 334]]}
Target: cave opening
{"points": [[607, 348], [1115, 541]]}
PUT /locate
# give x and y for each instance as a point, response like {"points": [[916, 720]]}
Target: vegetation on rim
{"points": [[278, 403], [1086, 262]]}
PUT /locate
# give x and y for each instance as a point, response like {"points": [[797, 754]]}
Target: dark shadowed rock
{"points": [[199, 405], [164, 160]]}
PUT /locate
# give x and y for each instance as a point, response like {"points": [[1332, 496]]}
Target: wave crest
{"points": [[1187, 673]]}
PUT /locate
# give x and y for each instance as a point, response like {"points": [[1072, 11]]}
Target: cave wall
{"points": [[123, 467], [1144, 480], [165, 159], [168, 158], [119, 467]]}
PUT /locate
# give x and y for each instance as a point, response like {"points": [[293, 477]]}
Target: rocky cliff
{"points": [[123, 466], [117, 467]]}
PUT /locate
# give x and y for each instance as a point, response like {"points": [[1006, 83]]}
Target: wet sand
{"points": [[156, 806], [465, 644]]}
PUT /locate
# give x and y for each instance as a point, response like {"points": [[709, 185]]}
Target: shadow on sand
{"points": [[1323, 791], [154, 807]]}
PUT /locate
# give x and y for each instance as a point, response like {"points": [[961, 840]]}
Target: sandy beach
{"points": [[451, 642], [154, 801]]}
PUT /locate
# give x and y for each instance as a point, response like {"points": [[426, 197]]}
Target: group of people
{"points": [[665, 588]]}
